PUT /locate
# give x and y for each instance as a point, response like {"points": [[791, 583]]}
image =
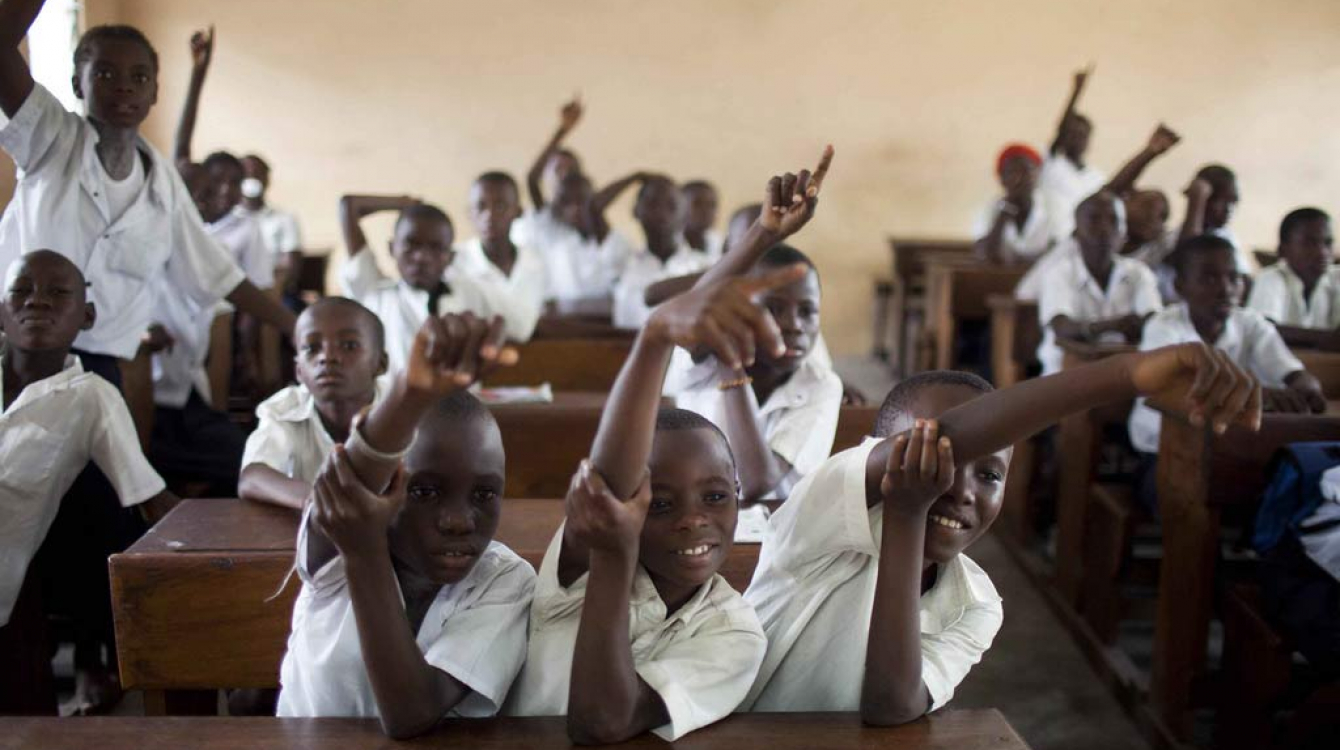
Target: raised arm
{"points": [[1197, 196], [1081, 78], [1163, 139], [252, 301], [595, 208], [568, 118], [16, 81], [354, 207], [202, 51]]}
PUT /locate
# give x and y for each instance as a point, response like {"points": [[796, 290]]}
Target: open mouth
{"points": [[696, 554], [957, 524]]}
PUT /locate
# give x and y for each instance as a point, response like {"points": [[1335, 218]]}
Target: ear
{"points": [[90, 317], [383, 363], [77, 85]]}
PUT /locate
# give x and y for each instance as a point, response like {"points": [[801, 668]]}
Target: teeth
{"points": [[699, 550], [946, 522], [456, 554]]}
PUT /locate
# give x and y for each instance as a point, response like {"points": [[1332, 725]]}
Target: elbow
{"points": [[246, 485], [889, 713], [399, 729], [597, 730]]}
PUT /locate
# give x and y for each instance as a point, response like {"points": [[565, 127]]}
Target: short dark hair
{"points": [[1219, 176], [698, 185], [498, 177], [83, 52], [1300, 216], [1196, 246], [671, 419], [900, 399], [461, 406], [222, 159], [425, 212], [378, 329], [782, 255], [656, 181], [265, 164]]}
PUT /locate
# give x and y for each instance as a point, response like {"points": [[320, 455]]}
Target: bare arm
{"points": [[202, 50], [1129, 326], [1197, 196], [1310, 338], [262, 484], [248, 299], [569, 116], [595, 208], [1081, 78], [354, 207], [153, 509], [760, 469], [16, 81], [1163, 139], [667, 288], [991, 248]]}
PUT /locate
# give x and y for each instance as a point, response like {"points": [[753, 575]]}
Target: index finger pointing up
{"points": [[820, 172]]}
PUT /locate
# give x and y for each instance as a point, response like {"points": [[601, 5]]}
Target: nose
{"points": [[330, 352], [38, 298], [693, 518], [456, 519]]}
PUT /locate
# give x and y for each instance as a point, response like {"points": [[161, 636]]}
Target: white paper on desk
{"points": [[520, 394], [752, 525]]}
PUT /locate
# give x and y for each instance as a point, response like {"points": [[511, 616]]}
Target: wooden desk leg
{"points": [[1186, 578], [1077, 448], [899, 326], [1003, 367], [181, 703], [1016, 507]]}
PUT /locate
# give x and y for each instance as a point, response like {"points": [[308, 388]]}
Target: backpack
{"points": [[1294, 491]]}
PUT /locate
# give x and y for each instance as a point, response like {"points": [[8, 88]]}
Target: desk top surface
{"points": [[951, 730]]}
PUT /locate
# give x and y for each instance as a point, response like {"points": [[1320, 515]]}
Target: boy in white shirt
{"points": [[1065, 178], [701, 202], [428, 285], [1148, 238], [512, 274], [862, 587], [1095, 294], [340, 356], [1211, 199], [279, 228], [55, 419], [1300, 293]]}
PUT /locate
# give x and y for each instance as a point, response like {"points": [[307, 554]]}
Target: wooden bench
{"points": [[956, 290], [566, 364], [909, 257], [1015, 335], [975, 729]]}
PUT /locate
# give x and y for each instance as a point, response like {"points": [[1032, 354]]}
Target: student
{"points": [[279, 229], [1210, 286], [1065, 178], [512, 274], [1017, 227], [410, 611], [56, 418], [1148, 238], [701, 199], [863, 589], [341, 353], [1095, 294], [1300, 293], [555, 163], [1211, 199], [421, 248]]}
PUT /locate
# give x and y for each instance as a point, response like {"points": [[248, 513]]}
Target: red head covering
{"points": [[1017, 149]]}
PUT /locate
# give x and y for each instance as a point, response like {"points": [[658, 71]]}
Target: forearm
{"points": [[16, 17], [760, 469], [1124, 181], [623, 441], [1193, 225], [667, 288], [611, 192], [153, 509], [742, 256], [536, 173], [892, 691], [354, 207], [991, 248], [181, 148], [389, 428], [262, 484], [251, 300], [411, 694]]}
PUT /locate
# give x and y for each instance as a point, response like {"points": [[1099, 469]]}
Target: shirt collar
{"points": [[1229, 338], [646, 598], [299, 405], [158, 181], [71, 370], [960, 584], [797, 390]]}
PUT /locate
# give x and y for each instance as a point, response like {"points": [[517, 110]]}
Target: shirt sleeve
{"points": [[42, 130], [257, 262], [290, 234], [704, 678], [484, 644], [271, 444], [825, 515], [804, 436], [199, 266], [1268, 355], [981, 223], [1056, 295], [1270, 296], [115, 448], [360, 276], [947, 656]]}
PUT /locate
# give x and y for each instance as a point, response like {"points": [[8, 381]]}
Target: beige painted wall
{"points": [[419, 96]]}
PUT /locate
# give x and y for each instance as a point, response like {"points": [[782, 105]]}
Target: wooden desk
{"points": [[978, 729], [1199, 475], [1325, 366], [1015, 336], [909, 257], [567, 364], [958, 289]]}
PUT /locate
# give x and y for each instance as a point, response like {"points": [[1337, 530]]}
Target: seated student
{"points": [[1148, 238], [580, 270], [1210, 287], [55, 419], [1019, 226], [410, 611], [279, 228], [863, 588], [1095, 294], [512, 274], [1211, 199], [1300, 293], [428, 286], [555, 163], [341, 353], [701, 200]]}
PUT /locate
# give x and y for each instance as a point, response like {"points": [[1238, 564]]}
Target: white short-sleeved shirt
{"points": [[1037, 236], [1278, 295], [475, 631], [181, 369], [279, 229], [814, 591], [700, 660], [518, 297], [61, 203], [1069, 289], [1029, 288], [580, 271], [401, 307], [643, 269], [1248, 338], [47, 436], [241, 235], [1245, 262], [1066, 186], [799, 419], [290, 437]]}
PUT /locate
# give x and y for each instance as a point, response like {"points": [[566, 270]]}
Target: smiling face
{"points": [[494, 205], [422, 251], [454, 494], [44, 303], [1309, 249], [118, 82], [691, 522], [227, 178], [795, 307], [339, 352]]}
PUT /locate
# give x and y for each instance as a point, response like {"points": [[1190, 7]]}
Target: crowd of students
{"points": [[409, 609]]}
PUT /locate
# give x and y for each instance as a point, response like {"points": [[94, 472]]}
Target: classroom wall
{"points": [[418, 96]]}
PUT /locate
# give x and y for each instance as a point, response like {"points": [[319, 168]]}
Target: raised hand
{"points": [[1199, 190], [570, 114], [452, 352], [601, 521], [919, 471], [354, 518], [1164, 138], [1082, 76], [724, 318], [1201, 379], [789, 201], [202, 48]]}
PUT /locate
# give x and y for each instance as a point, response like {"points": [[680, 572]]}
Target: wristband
{"points": [[727, 385]]}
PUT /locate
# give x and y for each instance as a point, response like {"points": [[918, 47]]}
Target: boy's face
{"points": [[119, 82], [255, 169], [338, 358], [494, 205], [979, 486], [453, 498], [1219, 208], [1100, 229], [227, 186], [1309, 249], [570, 200], [1019, 177], [422, 251], [560, 165], [660, 209], [702, 208], [1210, 284], [44, 304], [1075, 136], [691, 522], [1146, 215], [795, 307], [203, 192]]}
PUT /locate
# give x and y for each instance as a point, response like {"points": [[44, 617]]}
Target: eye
{"points": [[658, 506], [991, 476], [716, 498], [350, 346], [141, 78], [310, 348], [484, 495], [421, 493]]}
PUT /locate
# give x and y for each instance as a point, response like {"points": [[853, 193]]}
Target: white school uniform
{"points": [[714, 245], [47, 436], [401, 307], [290, 437], [1249, 340], [1278, 295], [643, 269], [1037, 236], [241, 235], [64, 202], [1241, 258], [181, 369], [1155, 255], [580, 271], [1069, 289], [475, 631], [518, 297], [700, 660], [1066, 186], [814, 591], [1029, 288], [799, 419], [279, 229]]}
